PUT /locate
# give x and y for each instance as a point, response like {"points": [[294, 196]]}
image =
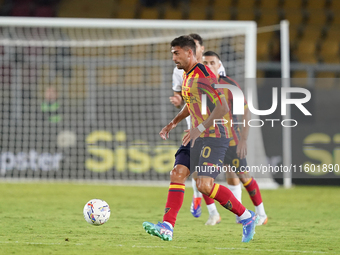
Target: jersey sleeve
{"points": [[207, 86], [177, 80], [245, 101], [231, 95]]}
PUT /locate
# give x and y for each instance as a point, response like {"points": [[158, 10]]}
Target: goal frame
{"points": [[246, 28], [249, 28]]}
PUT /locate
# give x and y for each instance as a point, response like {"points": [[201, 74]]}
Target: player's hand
{"points": [[191, 136], [176, 100], [186, 137], [241, 149], [165, 131]]}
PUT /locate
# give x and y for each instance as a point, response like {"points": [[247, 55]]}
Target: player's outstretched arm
{"points": [[241, 149], [179, 117], [219, 111]]}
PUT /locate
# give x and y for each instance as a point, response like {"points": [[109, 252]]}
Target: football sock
{"points": [[237, 191], [245, 215], [227, 199], [174, 202], [210, 205], [260, 210], [208, 200], [194, 187], [254, 191], [169, 224], [212, 209]]}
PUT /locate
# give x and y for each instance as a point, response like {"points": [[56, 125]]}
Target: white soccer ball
{"points": [[96, 212]]}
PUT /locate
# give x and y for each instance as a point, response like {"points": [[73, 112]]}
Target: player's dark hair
{"points": [[184, 41], [211, 54], [198, 38]]}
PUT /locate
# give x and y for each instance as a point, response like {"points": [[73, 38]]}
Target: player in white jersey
{"points": [[176, 100]]}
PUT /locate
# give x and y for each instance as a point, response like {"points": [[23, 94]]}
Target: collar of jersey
{"points": [[191, 69], [221, 77]]}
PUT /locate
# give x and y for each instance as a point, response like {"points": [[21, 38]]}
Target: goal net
{"points": [[86, 98]]}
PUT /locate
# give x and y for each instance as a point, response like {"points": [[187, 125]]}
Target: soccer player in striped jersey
{"points": [[177, 100], [208, 143], [237, 151]]}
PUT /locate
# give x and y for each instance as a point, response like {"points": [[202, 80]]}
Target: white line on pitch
{"points": [[177, 247], [141, 246], [232, 248], [17, 242], [269, 250]]}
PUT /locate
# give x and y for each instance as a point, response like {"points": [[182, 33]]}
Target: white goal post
{"points": [[286, 132], [74, 91]]}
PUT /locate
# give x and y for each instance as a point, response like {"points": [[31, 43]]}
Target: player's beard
{"points": [[179, 66]]}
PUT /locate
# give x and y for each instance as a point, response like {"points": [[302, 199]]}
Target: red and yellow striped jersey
{"points": [[234, 129], [198, 81]]}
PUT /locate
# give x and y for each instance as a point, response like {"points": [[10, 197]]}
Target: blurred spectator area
{"points": [[314, 24], [29, 8]]}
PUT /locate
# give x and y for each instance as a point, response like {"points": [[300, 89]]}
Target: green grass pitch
{"points": [[46, 218]]}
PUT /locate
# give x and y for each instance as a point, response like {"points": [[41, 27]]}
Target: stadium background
{"points": [[314, 39]]}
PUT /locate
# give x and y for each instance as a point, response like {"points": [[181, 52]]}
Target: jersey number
{"points": [[206, 152], [236, 162]]}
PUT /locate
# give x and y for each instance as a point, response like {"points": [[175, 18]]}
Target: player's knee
{"points": [[244, 177], [179, 174], [205, 185], [232, 178], [233, 181]]}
